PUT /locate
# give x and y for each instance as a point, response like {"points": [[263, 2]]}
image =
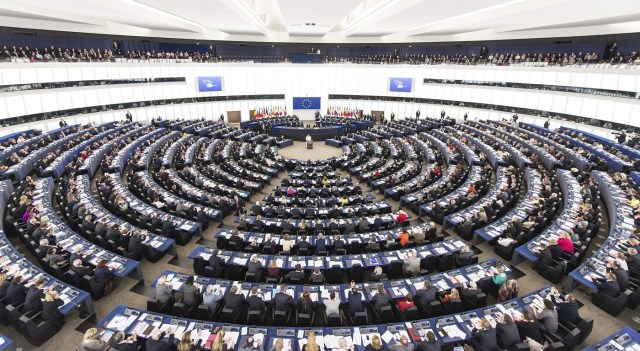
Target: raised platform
{"points": [[300, 134]]}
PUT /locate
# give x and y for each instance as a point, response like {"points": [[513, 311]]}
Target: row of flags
{"points": [[269, 111], [343, 111]]}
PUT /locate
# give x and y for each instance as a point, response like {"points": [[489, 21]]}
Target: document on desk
{"points": [[240, 261], [454, 332], [441, 250]]}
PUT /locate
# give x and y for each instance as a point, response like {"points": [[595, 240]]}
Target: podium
{"points": [[309, 144]]}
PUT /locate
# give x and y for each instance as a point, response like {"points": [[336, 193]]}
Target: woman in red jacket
{"points": [[405, 303]]}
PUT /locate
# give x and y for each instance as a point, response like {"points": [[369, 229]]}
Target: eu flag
{"points": [[306, 103]]}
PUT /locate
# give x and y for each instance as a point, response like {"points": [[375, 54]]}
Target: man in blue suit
{"points": [[355, 300]]}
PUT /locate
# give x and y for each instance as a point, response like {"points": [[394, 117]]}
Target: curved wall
{"points": [[314, 80]]}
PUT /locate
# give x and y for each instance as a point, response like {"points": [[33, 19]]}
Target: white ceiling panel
{"points": [[328, 21]]}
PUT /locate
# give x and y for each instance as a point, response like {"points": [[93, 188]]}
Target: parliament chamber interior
{"points": [[362, 175]]}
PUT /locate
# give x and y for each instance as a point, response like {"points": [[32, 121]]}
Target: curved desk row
{"points": [[481, 273], [448, 329], [429, 253], [14, 262]]}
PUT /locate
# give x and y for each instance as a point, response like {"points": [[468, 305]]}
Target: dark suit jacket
{"points": [[295, 275], [168, 228], [464, 259], [216, 262], [16, 294], [159, 345], [633, 262], [33, 300], [101, 229], [610, 288], [234, 302], [622, 277], [567, 311], [529, 329], [102, 274], [355, 303], [82, 271], [485, 340], [282, 301], [256, 303], [380, 300], [50, 310], [135, 244], [544, 257], [425, 296], [507, 335]]}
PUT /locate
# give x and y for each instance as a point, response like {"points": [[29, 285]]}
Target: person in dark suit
{"points": [[466, 227], [528, 326], [52, 302], [350, 227], [380, 299], [373, 245], [16, 292], [544, 256], [306, 305], [507, 332], [567, 307], [304, 245], [255, 302], [514, 227], [135, 244], [113, 233], [633, 259], [216, 262], [425, 296], [234, 301], [608, 286], [554, 249], [430, 344], [288, 226], [297, 275], [34, 296], [355, 300], [338, 243], [80, 269], [333, 225], [321, 243], [282, 300], [464, 257], [103, 272], [155, 341], [101, 227], [471, 292], [237, 240], [168, 229], [378, 275], [483, 336], [87, 224], [622, 276]]}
